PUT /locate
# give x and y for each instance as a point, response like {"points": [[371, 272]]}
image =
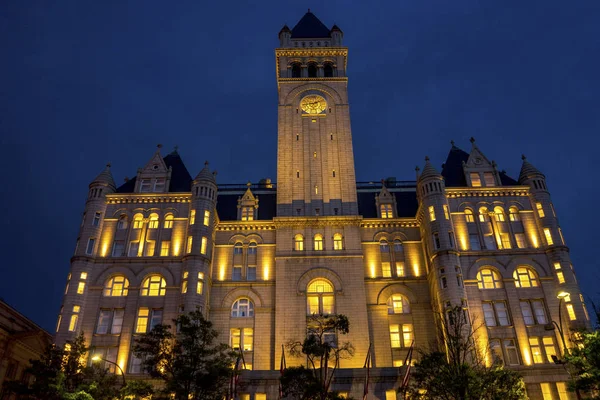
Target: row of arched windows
{"points": [[318, 242], [118, 286], [384, 246], [524, 277], [499, 214], [138, 221], [312, 70]]}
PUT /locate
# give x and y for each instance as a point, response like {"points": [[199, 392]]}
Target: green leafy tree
{"points": [[323, 353], [137, 390], [191, 365], [456, 371], [583, 361]]}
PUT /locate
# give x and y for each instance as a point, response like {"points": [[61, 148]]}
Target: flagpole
{"points": [[367, 375]]}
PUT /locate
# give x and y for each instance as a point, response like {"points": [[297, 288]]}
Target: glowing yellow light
{"points": [[416, 269], [372, 269], [526, 355], [222, 272], [104, 248], [96, 358], [266, 272], [563, 295]]}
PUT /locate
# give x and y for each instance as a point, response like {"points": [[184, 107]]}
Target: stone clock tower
{"points": [[315, 165], [318, 224]]}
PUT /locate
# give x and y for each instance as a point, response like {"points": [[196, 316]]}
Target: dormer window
{"points": [[159, 185], [146, 186], [247, 214], [475, 179], [386, 211], [489, 179]]}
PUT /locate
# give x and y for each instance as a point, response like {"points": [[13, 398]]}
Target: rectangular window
{"points": [[496, 350], [475, 179], [431, 213], [488, 314], [571, 312], [117, 321], [251, 273], [203, 245], [436, 241], [159, 185], [146, 186], [386, 211], [548, 235], [156, 318], [407, 334], [260, 396], [395, 336], [149, 248], [546, 391], [489, 241], [386, 270], [561, 387], [446, 212], [399, 268], [192, 217], [560, 276], [327, 304], [520, 239], [511, 352], [505, 240], [549, 348], [165, 246], [133, 249], [190, 240], [74, 318], [539, 311], [141, 325], [135, 364], [502, 313], [390, 394], [237, 273], [527, 313], [562, 239], [313, 305], [103, 322], [536, 351], [206, 218], [80, 287], [247, 214], [200, 286], [248, 339], [96, 220], [540, 210], [488, 177], [469, 217], [474, 242], [118, 249], [90, 246], [58, 322]]}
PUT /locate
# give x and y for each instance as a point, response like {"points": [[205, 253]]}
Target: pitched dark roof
{"points": [[310, 26], [452, 170], [181, 180], [227, 205], [507, 180], [406, 203]]}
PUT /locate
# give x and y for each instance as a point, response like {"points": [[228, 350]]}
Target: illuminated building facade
{"points": [[391, 255]]}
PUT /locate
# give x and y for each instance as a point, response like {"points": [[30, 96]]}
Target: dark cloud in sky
{"points": [[83, 83]]}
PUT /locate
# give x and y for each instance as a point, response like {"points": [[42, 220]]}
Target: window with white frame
{"points": [[96, 220], [154, 285], [337, 242], [386, 211], [488, 278], [117, 286], [320, 297], [242, 338], [318, 242], [401, 335], [298, 242], [242, 308], [495, 313], [398, 304], [110, 321], [525, 277], [534, 312]]}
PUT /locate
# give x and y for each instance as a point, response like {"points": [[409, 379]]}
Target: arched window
{"points": [[384, 247], [499, 213], [296, 70], [116, 286], [318, 242], [483, 214], [153, 224], [398, 304], [398, 246], [298, 242], [237, 248], [138, 221], [469, 215], [525, 277], [488, 278], [319, 297], [154, 285], [122, 223], [242, 308], [252, 248], [168, 221], [514, 213], [328, 70], [337, 242], [312, 70]]}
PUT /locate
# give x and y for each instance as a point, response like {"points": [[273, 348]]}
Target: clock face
{"points": [[313, 104]]}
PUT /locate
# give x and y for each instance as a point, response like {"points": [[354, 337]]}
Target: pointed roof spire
{"points": [[428, 170], [527, 170], [310, 27], [105, 178], [205, 174]]}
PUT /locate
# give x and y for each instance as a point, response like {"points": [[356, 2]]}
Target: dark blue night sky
{"points": [[87, 82]]}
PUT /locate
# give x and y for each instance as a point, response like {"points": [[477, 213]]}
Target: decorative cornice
{"points": [[316, 222], [390, 223], [245, 226], [312, 51], [495, 191], [317, 79], [146, 198]]}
